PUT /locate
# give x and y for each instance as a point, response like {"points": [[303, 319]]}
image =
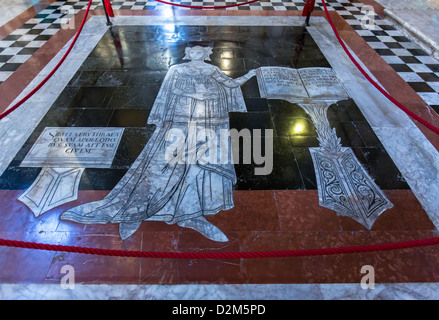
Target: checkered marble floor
{"points": [[413, 64]]}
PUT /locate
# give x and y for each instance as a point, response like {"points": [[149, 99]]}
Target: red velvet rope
{"points": [[222, 255], [388, 96]]}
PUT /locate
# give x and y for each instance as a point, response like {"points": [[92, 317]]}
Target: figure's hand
{"points": [[251, 73], [246, 77]]}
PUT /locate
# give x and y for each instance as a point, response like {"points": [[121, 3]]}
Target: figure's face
{"points": [[197, 54]]}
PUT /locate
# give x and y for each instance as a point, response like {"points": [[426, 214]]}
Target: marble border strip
{"points": [[330, 291]]}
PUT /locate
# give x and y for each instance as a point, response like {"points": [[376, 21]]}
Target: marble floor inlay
{"points": [[342, 182], [209, 132], [64, 153], [194, 97]]}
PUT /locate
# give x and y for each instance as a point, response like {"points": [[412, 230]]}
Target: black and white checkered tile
{"points": [[414, 65], [410, 61]]}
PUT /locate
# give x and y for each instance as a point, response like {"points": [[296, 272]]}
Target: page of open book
{"points": [[300, 84]]}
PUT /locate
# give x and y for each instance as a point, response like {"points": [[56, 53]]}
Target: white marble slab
{"points": [[74, 147], [330, 291], [52, 188]]}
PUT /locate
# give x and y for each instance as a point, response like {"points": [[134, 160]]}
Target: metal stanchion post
{"points": [[106, 14], [308, 16]]}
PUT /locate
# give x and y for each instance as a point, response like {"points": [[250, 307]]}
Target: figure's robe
{"points": [[155, 189]]}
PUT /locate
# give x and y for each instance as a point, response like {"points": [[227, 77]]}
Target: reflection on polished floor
{"points": [[85, 161]]}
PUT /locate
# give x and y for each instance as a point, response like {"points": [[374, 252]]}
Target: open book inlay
{"points": [[300, 84]]}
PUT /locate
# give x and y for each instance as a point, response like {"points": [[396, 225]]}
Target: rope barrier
{"points": [[388, 96], [222, 255]]}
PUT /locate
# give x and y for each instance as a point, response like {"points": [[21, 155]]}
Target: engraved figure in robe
{"points": [[193, 96]]}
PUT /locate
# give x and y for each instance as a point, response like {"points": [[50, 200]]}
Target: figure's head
{"points": [[198, 53]]}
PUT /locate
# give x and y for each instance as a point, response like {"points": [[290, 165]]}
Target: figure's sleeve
{"points": [[235, 99], [222, 78], [159, 110]]}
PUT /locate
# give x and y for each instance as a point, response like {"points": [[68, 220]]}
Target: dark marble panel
{"points": [[310, 63], [256, 104], [420, 87], [60, 118], [253, 63], [97, 64], [85, 78], [247, 180], [433, 67], [149, 79], [133, 97], [91, 97], [367, 134], [383, 170], [393, 45], [428, 76], [10, 66], [65, 98], [345, 110], [348, 134], [94, 118], [294, 126], [306, 167], [129, 118], [113, 78], [287, 177], [100, 179], [281, 109], [119, 81], [4, 58], [18, 178], [251, 121], [409, 59], [131, 144], [250, 89]]}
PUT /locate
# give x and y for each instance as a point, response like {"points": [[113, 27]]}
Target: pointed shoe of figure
{"points": [[126, 229], [204, 227]]}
